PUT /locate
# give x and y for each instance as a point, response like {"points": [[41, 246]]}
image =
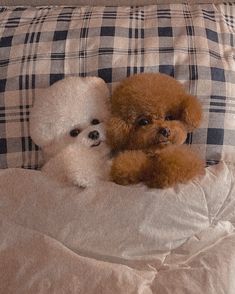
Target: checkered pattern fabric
{"points": [[193, 43]]}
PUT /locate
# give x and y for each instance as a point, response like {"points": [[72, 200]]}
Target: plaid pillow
{"points": [[193, 43]]}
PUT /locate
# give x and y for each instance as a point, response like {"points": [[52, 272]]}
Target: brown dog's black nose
{"points": [[94, 135], [165, 132]]}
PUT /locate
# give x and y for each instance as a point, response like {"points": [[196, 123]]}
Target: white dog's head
{"points": [[84, 162], [73, 109], [67, 122]]}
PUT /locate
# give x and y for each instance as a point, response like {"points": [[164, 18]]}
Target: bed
{"points": [[110, 238]]}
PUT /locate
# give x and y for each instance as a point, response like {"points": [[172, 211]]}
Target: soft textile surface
{"points": [[100, 2], [114, 239], [193, 43]]}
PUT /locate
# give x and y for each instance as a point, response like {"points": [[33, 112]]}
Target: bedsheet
{"points": [[115, 239]]}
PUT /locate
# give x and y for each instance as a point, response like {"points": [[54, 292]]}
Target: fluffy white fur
{"points": [[69, 104]]}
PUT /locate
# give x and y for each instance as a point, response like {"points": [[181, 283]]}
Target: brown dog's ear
{"points": [[191, 112], [117, 132]]}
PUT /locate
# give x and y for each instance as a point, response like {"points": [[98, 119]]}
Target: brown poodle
{"points": [[151, 116]]}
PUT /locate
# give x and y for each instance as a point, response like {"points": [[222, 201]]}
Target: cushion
{"points": [[41, 45]]}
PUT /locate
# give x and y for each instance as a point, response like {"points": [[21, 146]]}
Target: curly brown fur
{"points": [[128, 167], [174, 164], [151, 116]]}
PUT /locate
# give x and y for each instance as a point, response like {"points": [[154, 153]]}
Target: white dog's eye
{"points": [[95, 121], [74, 132]]}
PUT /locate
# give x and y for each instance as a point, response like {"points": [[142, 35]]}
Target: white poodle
{"points": [[67, 122]]}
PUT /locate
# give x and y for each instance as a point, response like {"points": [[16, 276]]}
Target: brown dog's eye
{"points": [[143, 121], [95, 121], [74, 132], [169, 117]]}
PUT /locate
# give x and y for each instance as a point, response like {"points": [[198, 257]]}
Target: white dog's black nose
{"points": [[94, 135]]}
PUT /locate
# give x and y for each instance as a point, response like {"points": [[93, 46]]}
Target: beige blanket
{"points": [[113, 239]]}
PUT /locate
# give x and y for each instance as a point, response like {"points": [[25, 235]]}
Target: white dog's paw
{"points": [[83, 182], [78, 165], [89, 175]]}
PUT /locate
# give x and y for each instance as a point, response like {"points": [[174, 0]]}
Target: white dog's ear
{"points": [[39, 125], [96, 80], [117, 132], [100, 85]]}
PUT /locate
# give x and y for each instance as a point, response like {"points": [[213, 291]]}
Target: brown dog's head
{"points": [[151, 110]]}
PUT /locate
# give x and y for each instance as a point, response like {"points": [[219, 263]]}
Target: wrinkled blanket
{"points": [[115, 239]]}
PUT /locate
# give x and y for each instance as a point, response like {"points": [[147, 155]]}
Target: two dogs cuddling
{"points": [[144, 124]]}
